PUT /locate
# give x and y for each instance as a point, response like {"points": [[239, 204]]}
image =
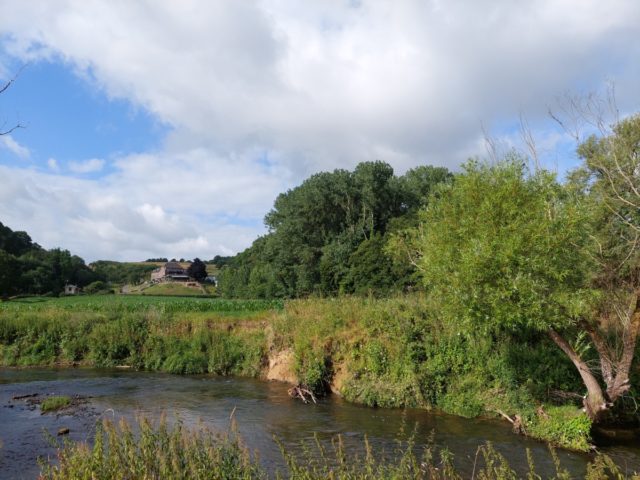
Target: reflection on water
{"points": [[262, 409]]}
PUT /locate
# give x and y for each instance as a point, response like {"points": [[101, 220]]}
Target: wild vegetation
{"points": [[161, 451], [176, 335], [391, 352], [559, 259]]}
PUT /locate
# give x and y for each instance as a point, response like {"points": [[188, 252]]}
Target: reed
{"points": [[160, 451]]}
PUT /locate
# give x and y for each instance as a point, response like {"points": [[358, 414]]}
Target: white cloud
{"points": [[102, 219], [87, 166], [10, 144], [52, 163], [313, 86]]}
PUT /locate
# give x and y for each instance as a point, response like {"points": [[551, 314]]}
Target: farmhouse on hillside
{"points": [[168, 272]]}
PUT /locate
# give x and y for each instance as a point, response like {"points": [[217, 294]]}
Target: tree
{"points": [[8, 270], [197, 270], [610, 181], [316, 228], [504, 249]]}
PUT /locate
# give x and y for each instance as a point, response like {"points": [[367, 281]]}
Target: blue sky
{"points": [[69, 120], [160, 128]]}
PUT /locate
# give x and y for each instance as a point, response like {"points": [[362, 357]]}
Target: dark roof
{"points": [[175, 265]]}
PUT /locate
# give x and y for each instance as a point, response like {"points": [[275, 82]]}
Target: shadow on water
{"points": [[262, 410]]}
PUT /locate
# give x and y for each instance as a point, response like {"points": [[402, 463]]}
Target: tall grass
{"points": [[154, 338], [154, 453], [164, 452]]}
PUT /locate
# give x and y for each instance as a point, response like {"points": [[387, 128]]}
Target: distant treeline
{"points": [[329, 235], [27, 268], [219, 261], [122, 272]]}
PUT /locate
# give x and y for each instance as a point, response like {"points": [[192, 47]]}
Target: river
{"points": [[262, 410]]}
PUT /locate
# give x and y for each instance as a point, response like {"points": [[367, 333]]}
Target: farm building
{"points": [[71, 289], [170, 271]]}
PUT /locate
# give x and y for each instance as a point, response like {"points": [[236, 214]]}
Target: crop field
{"points": [[136, 303]]}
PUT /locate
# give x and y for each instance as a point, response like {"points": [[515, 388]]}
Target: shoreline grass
{"points": [[162, 451], [58, 402]]}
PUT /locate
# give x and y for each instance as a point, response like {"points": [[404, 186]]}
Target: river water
{"points": [[262, 410]]}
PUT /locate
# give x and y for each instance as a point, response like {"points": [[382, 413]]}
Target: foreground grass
{"points": [[159, 452], [51, 404]]}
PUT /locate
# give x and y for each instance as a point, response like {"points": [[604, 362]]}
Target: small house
{"points": [[71, 289]]}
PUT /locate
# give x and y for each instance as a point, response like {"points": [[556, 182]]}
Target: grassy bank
{"points": [[396, 352], [378, 352], [173, 452], [174, 335]]}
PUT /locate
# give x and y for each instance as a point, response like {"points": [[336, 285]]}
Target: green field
{"points": [[138, 303], [173, 288]]}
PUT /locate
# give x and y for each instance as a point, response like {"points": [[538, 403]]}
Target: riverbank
{"points": [[376, 352]]}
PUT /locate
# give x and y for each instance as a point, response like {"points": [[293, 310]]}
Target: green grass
{"points": [[137, 303], [178, 289], [160, 451], [51, 404], [176, 335]]}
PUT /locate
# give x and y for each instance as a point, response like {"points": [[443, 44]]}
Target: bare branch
{"points": [[528, 139], [490, 144], [4, 88], [15, 127]]}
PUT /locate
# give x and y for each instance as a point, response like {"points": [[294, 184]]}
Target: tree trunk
{"points": [[616, 363], [594, 402]]}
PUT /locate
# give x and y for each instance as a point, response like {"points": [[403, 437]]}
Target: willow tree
{"points": [[508, 249], [504, 249], [610, 180]]}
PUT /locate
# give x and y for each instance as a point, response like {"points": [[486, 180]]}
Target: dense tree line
{"points": [[219, 261], [328, 235], [27, 268], [122, 272]]}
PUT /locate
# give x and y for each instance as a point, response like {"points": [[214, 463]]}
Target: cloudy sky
{"points": [[167, 128]]}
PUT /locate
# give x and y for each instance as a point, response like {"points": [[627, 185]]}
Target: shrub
{"points": [[566, 426]]}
